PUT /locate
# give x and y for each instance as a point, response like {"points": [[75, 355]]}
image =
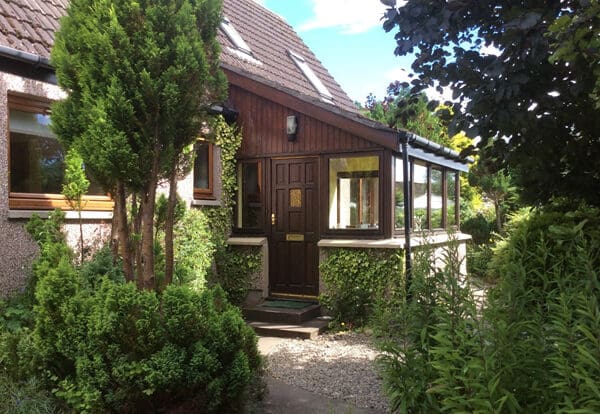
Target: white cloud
{"points": [[350, 16], [262, 2]]}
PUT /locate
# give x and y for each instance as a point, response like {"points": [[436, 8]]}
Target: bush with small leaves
{"points": [[102, 345]]}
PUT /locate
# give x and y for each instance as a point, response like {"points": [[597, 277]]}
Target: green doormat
{"points": [[289, 304]]}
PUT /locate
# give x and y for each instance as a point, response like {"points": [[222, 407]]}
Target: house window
{"points": [[354, 193], [235, 37], [36, 157], [437, 198], [37, 161], [311, 76], [249, 199], [203, 170]]}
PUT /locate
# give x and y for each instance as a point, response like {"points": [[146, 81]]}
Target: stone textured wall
{"points": [[17, 249]]}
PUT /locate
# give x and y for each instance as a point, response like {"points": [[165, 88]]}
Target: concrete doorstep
{"points": [[305, 330]]}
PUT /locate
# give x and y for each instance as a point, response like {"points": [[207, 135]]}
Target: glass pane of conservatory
{"points": [[451, 190], [398, 195], [354, 193], [420, 197], [437, 198]]}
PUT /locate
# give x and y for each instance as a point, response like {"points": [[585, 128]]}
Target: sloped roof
{"points": [[29, 26]]}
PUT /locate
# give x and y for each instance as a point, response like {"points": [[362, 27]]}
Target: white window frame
{"points": [[235, 37], [302, 64]]}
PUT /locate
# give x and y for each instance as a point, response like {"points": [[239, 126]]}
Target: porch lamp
{"points": [[292, 127]]}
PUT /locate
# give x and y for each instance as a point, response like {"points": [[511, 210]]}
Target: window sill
{"points": [[395, 243], [247, 241], [206, 202], [40, 202], [69, 215]]}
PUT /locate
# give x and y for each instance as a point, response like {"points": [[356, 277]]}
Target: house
{"points": [[313, 173]]}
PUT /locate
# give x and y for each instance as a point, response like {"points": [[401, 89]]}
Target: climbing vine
{"points": [[358, 280], [234, 267]]}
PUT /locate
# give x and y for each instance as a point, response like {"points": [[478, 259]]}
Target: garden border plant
{"points": [[102, 344], [534, 347]]}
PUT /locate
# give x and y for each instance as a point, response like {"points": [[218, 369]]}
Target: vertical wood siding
{"points": [[263, 124]]}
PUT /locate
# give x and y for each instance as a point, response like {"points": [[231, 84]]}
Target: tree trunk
{"points": [[148, 203], [136, 209], [498, 215], [169, 224], [80, 236], [124, 244], [114, 230]]}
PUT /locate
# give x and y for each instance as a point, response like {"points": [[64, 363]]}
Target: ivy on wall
{"points": [[234, 267], [356, 280]]}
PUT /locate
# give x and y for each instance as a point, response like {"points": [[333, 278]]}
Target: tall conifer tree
{"points": [[139, 76]]}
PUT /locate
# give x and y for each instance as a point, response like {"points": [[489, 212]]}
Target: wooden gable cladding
{"points": [[264, 129]]}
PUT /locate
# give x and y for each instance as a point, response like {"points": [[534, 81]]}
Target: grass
{"points": [[26, 397]]}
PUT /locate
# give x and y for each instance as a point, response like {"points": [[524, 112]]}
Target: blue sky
{"points": [[347, 36]]}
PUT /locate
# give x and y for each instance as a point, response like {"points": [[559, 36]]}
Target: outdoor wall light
{"points": [[292, 127]]}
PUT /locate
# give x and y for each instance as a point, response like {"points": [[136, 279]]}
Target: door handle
{"points": [[273, 219]]}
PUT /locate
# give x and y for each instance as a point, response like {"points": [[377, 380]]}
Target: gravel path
{"points": [[339, 366]]}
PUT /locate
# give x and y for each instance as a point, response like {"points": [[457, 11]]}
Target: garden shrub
{"points": [[535, 346], [194, 248], [101, 265], [356, 279], [479, 227], [479, 252], [141, 352], [434, 358], [234, 266], [546, 309], [102, 345], [479, 257]]}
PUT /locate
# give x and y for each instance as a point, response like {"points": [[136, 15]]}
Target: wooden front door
{"points": [[294, 256]]}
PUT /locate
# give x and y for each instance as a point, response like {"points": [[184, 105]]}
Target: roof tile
{"points": [[29, 25]]}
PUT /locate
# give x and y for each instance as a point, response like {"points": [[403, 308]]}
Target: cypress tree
{"points": [[140, 76]]}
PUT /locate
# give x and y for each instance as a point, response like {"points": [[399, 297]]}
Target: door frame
{"points": [[269, 210]]}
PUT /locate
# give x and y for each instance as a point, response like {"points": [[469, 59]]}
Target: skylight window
{"points": [[311, 76], [235, 37]]}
